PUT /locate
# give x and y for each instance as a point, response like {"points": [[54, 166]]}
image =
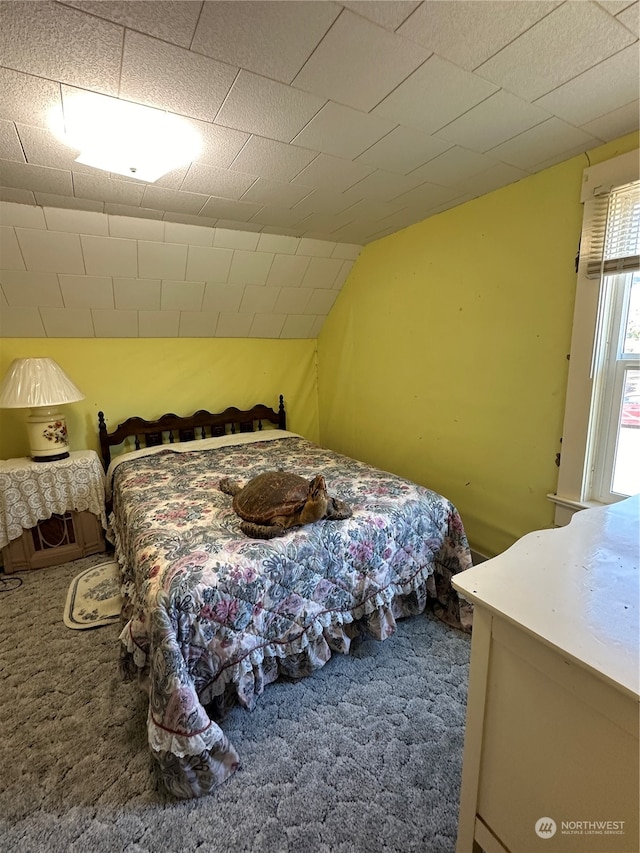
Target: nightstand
{"points": [[51, 512]]}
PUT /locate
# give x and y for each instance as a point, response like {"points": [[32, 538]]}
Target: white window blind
{"points": [[611, 230]]}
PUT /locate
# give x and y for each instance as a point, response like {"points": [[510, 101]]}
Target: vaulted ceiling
{"points": [[339, 121]]}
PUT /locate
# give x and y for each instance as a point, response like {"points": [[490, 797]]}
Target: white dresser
{"points": [[551, 754]]}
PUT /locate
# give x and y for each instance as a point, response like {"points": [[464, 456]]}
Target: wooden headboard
{"points": [[201, 424]]}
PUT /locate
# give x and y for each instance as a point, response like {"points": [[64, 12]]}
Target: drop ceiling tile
{"points": [[278, 243], [403, 150], [614, 124], [452, 167], [35, 178], [165, 76], [32, 34], [298, 327], [225, 208], [370, 211], [342, 131], [158, 324], [434, 95], [492, 179], [171, 180], [42, 148], [467, 32], [609, 85], [113, 256], [316, 248], [101, 188], [386, 13], [136, 212], [358, 63], [115, 324], [220, 145], [292, 300], [541, 142], [495, 120], [182, 295], [67, 322], [69, 202], [136, 229], [279, 194], [267, 325], [50, 251], [278, 216], [360, 231], [162, 260], [21, 323], [322, 272], [630, 17], [30, 289], [543, 58], [10, 148], [288, 270], [321, 223], [250, 267], [614, 6], [193, 235], [270, 159], [173, 200], [267, 108], [422, 198], [208, 264], [343, 275], [347, 251], [321, 301], [297, 231], [222, 297], [271, 38], [186, 219], [323, 201], [198, 324], [17, 196], [22, 215], [235, 225], [10, 254], [225, 238], [86, 291], [334, 173], [28, 99], [176, 23], [223, 183], [258, 300], [76, 221], [136, 294], [233, 325], [381, 186]]}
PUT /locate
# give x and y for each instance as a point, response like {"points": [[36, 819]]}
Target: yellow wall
{"points": [[149, 377], [444, 358]]}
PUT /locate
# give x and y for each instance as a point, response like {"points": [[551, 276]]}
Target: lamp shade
{"points": [[34, 382]]}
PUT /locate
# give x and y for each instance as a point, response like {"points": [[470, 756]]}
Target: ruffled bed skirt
{"points": [[193, 763]]}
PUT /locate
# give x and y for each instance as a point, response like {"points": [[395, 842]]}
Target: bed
{"points": [[212, 616]]}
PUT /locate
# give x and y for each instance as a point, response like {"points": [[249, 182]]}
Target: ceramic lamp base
{"points": [[47, 430]]}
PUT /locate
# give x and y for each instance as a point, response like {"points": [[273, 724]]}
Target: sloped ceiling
{"points": [[334, 121]]}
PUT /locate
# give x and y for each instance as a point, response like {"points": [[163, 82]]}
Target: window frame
{"points": [[575, 459]]}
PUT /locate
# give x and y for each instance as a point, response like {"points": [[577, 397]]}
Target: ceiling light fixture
{"points": [[125, 138]]}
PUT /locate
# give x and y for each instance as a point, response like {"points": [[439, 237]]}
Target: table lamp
{"points": [[41, 385]]}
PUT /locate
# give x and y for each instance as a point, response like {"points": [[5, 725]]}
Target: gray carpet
{"points": [[365, 755]]}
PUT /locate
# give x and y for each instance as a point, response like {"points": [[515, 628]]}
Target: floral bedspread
{"points": [[214, 616]]}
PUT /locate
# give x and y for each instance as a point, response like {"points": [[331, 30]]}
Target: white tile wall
{"points": [[74, 273]]}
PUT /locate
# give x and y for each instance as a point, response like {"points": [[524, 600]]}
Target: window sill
{"points": [[566, 508]]}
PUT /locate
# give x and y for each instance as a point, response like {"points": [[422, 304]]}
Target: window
{"points": [[600, 460]]}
